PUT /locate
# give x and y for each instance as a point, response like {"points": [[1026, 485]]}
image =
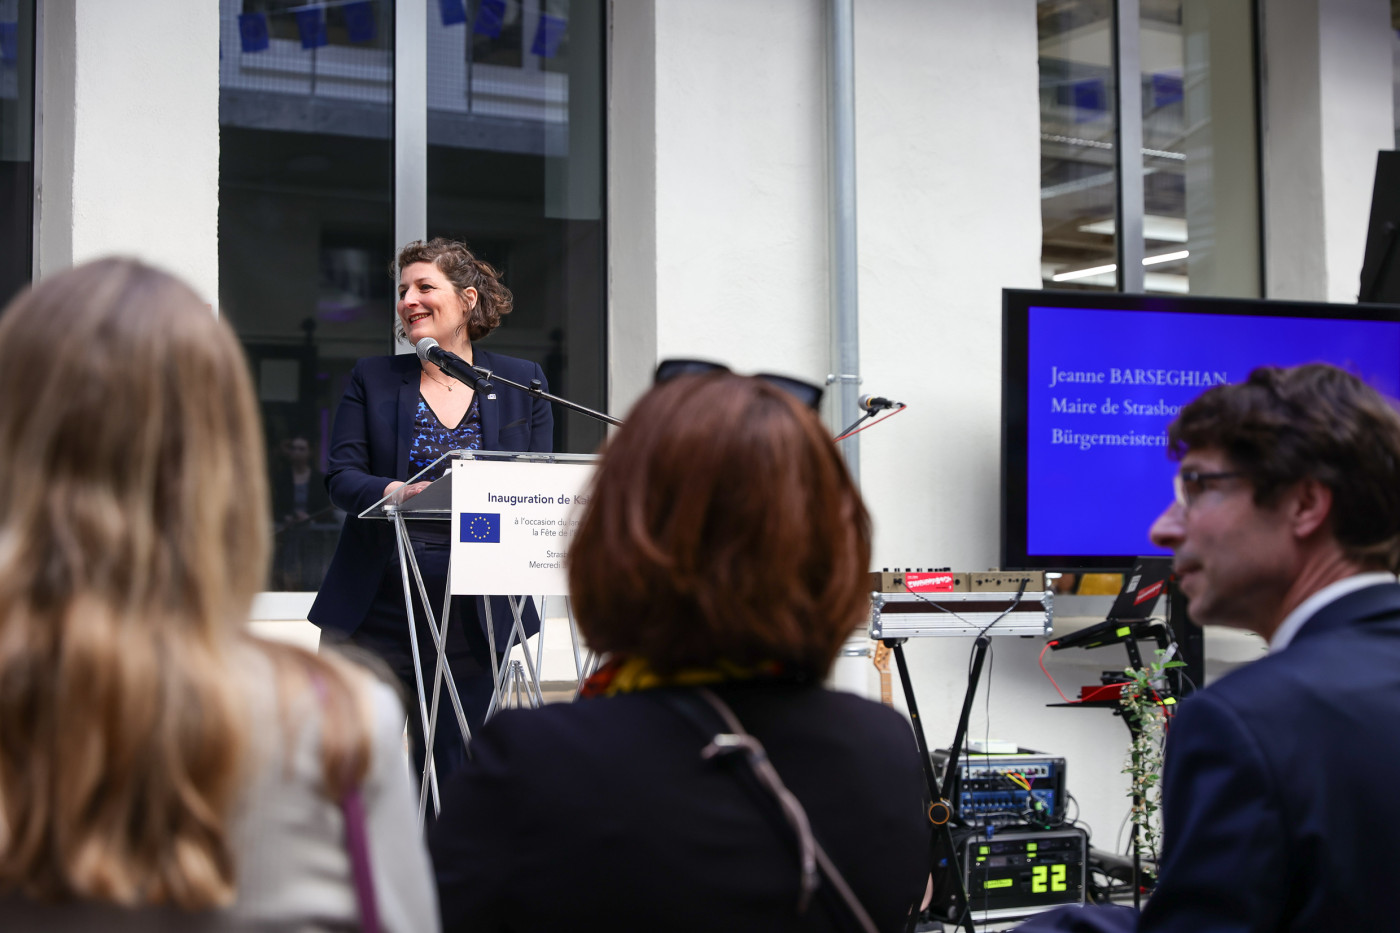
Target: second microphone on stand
{"points": [[450, 363], [871, 403]]}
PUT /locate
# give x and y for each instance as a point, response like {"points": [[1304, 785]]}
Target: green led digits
{"points": [[1047, 878]]}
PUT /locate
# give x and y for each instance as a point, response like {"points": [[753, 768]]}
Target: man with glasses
{"points": [[1276, 797]]}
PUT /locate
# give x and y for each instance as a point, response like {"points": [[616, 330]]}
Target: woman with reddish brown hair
{"points": [[720, 564]]}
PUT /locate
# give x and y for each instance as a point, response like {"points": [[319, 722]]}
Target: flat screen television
{"points": [[1090, 382]]}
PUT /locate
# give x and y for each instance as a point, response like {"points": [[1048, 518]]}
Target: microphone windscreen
{"points": [[423, 346]]}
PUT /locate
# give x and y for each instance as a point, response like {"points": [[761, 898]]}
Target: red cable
{"points": [[870, 425], [1052, 680]]}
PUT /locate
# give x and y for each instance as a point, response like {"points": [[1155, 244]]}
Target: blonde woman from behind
{"points": [[160, 767]]}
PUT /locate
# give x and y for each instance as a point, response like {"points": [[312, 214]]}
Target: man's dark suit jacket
{"points": [[1277, 806], [601, 815], [370, 440]]}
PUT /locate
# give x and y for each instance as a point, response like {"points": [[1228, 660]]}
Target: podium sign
{"points": [[511, 524]]}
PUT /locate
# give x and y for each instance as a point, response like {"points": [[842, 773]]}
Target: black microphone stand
{"points": [[536, 389], [854, 424]]}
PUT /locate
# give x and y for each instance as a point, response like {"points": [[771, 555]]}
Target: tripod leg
{"points": [[517, 607], [897, 648]]}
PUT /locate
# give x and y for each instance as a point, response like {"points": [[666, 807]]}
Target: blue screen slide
{"points": [[1104, 385]]}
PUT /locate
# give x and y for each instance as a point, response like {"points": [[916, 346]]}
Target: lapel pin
{"points": [[491, 396]]}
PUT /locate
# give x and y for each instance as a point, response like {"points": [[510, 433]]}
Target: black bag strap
{"points": [[700, 707]]}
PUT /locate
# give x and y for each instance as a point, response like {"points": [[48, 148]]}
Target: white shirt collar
{"points": [[1329, 594]]}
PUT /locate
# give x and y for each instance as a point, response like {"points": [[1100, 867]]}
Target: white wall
{"points": [[948, 149], [719, 184], [632, 147], [1327, 110], [130, 135]]}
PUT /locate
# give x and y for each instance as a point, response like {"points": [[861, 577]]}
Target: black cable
{"points": [[1014, 603], [942, 608], [856, 423], [1176, 654]]}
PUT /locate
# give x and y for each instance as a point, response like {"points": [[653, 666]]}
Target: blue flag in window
{"points": [[548, 34], [359, 20], [481, 527], [9, 41], [1166, 90], [453, 12], [1090, 99], [252, 31], [311, 23], [490, 17]]}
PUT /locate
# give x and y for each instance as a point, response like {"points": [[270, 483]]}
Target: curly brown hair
{"points": [[464, 270], [1317, 422], [722, 525]]}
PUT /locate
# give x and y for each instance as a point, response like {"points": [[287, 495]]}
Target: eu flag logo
{"points": [[481, 527]]}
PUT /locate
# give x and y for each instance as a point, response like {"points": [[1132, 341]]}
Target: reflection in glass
{"points": [[515, 170], [306, 235], [1200, 151], [16, 145], [1078, 196], [1199, 157]]}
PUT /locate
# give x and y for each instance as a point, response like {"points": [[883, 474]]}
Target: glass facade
{"points": [[1078, 197], [306, 216], [1194, 70], [515, 169]]}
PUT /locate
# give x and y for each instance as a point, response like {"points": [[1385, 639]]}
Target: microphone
{"points": [[450, 363], [874, 403]]}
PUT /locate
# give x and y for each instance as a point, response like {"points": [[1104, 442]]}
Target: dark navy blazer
{"points": [[1278, 812], [370, 440]]}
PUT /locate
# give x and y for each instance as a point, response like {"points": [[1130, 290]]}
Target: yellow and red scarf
{"points": [[630, 674]]}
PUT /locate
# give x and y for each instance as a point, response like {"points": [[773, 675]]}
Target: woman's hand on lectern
{"points": [[402, 491]]}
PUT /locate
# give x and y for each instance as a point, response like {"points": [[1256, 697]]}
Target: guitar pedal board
{"points": [[1000, 789]]}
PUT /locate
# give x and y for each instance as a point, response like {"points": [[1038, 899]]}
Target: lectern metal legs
{"points": [[429, 767], [442, 671]]}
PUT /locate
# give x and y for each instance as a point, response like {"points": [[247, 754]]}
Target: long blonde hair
{"points": [[134, 534]]}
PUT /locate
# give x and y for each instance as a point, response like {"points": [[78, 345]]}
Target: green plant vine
{"points": [[1144, 709]]}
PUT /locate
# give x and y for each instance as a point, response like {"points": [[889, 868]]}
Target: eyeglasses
{"points": [[805, 392], [1188, 484]]}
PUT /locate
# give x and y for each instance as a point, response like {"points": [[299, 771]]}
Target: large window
{"points": [[1175, 163], [16, 145], [515, 149], [307, 204]]}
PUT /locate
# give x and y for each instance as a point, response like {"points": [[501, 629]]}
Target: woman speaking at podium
{"points": [[398, 415]]}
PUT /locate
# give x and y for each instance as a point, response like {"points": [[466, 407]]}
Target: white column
{"points": [[632, 156], [1327, 111], [129, 135]]}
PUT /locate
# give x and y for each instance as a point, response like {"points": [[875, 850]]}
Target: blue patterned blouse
{"points": [[432, 439]]}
